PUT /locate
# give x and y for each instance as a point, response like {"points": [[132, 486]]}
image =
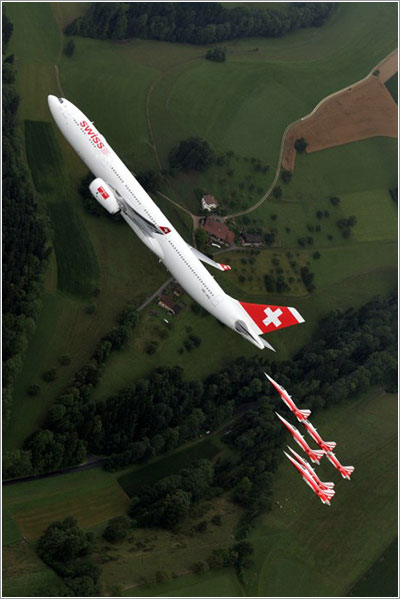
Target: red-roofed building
{"points": [[168, 304], [218, 230]]}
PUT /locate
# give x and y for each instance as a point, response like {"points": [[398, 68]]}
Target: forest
{"points": [[353, 350], [25, 247], [195, 23]]}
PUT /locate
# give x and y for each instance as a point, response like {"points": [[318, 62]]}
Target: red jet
{"points": [[311, 471], [312, 431], [300, 414], [325, 495], [314, 454], [345, 471]]}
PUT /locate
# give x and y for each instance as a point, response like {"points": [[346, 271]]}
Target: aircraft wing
{"points": [[208, 260]]}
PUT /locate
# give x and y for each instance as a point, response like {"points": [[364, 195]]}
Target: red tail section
{"points": [[347, 471], [270, 318]]}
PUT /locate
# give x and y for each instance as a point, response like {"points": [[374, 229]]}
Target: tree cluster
{"points": [[167, 502], [236, 555], [192, 23], [394, 194], [345, 225], [149, 180], [74, 419], [307, 277], [300, 145], [25, 250], [193, 154], [66, 548], [117, 529], [217, 54]]}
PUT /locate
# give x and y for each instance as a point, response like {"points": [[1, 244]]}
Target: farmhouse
{"points": [[208, 202], [168, 304], [218, 231], [178, 290], [251, 239]]}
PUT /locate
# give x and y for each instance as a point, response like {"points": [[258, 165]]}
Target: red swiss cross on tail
{"points": [[271, 318]]}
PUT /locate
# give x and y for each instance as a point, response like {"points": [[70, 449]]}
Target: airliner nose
{"points": [[52, 101]]}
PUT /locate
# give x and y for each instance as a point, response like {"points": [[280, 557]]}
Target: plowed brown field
{"points": [[365, 109]]}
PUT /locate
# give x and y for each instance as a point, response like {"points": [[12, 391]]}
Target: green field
{"points": [[245, 104], [381, 580], [212, 584], [92, 497]]}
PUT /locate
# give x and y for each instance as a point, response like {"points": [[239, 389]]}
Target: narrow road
{"points": [[155, 294], [92, 462]]}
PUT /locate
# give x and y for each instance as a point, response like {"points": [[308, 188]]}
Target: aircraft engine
{"points": [[103, 194]]}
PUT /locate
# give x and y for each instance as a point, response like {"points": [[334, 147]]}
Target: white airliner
{"points": [[117, 190]]}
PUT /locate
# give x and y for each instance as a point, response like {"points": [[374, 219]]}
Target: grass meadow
{"points": [[92, 497], [211, 584], [381, 580]]}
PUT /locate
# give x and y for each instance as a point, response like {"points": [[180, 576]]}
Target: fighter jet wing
{"points": [[208, 260]]}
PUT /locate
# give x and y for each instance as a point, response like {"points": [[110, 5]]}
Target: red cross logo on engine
{"points": [[103, 193], [165, 230]]}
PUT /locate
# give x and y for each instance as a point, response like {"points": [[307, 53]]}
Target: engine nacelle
{"points": [[103, 194]]}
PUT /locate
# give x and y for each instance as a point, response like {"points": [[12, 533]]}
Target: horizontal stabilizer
{"points": [[330, 444], [305, 413], [208, 260], [319, 453]]}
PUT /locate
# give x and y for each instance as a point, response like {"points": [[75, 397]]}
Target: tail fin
{"points": [[348, 470], [270, 318], [329, 492], [306, 414]]}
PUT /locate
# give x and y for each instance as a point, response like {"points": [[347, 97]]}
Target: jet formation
{"points": [[323, 490], [118, 191]]}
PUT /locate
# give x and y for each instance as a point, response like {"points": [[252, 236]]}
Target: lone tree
{"points": [[217, 54], [300, 145], [150, 180], [117, 529], [286, 176], [193, 154], [69, 48]]}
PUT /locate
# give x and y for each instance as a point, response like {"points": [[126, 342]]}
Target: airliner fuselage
{"points": [[153, 228]]}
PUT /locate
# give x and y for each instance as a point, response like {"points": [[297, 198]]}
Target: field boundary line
{"points": [[299, 120]]}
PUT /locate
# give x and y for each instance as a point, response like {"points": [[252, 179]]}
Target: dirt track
{"points": [[365, 109]]}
